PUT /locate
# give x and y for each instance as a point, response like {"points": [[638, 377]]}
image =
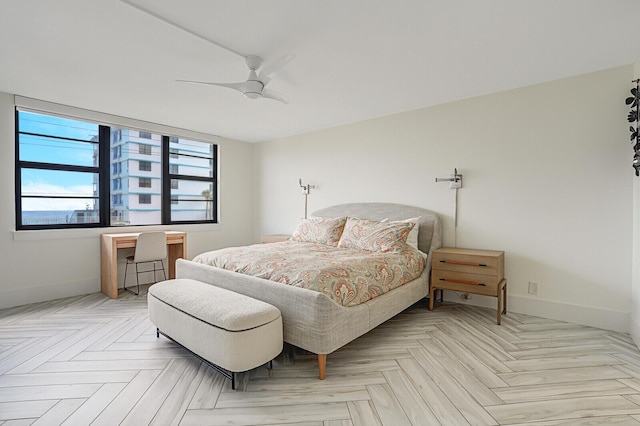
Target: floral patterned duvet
{"points": [[348, 276]]}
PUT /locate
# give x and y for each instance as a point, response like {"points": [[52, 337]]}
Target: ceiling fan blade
{"points": [[270, 94], [240, 87], [270, 70]]}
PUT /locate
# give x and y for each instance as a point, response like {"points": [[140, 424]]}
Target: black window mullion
{"points": [[60, 167], [18, 173], [64, 138], [165, 194], [104, 175]]}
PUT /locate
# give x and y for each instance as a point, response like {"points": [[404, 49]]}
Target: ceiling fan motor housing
{"points": [[253, 87]]}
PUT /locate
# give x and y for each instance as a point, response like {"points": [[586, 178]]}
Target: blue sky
{"points": [[45, 182]]}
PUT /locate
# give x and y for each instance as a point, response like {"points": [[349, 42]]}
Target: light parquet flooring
{"points": [[92, 360]]}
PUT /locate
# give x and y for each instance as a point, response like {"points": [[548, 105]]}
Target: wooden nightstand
{"points": [[274, 238], [470, 271]]}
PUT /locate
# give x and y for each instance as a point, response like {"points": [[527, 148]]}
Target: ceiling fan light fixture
{"points": [[252, 95]]}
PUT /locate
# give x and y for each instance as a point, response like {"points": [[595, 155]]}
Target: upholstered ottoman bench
{"points": [[230, 331]]}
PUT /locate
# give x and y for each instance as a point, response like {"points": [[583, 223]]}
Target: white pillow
{"points": [[412, 239]]}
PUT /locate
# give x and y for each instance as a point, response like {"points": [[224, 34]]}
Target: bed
{"points": [[311, 320]]}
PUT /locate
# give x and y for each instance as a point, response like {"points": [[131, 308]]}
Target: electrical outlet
{"points": [[533, 287]]}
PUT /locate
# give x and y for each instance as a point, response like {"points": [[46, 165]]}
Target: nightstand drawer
{"points": [[467, 283], [470, 262]]}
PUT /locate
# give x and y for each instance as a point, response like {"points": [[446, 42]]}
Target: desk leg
{"points": [[174, 252], [109, 268]]}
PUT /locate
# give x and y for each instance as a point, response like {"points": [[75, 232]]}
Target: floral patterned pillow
{"points": [[322, 230], [375, 236]]}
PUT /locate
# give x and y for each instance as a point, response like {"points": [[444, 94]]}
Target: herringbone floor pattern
{"points": [[93, 360]]}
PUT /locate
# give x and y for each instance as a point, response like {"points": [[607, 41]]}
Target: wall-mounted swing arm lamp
{"points": [[305, 191], [455, 182]]}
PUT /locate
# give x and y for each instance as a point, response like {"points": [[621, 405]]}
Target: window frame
{"points": [[167, 200], [146, 180], [147, 165], [103, 169], [146, 197], [143, 149]]}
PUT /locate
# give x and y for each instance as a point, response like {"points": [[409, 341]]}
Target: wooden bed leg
{"points": [[322, 364]]}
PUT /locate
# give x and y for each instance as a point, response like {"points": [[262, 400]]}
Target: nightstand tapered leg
{"points": [[502, 300], [431, 296], [504, 297]]}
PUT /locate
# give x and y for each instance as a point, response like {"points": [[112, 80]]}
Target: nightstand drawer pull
{"points": [[454, 262], [463, 282]]}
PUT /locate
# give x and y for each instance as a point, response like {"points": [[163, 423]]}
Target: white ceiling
{"points": [[355, 59]]}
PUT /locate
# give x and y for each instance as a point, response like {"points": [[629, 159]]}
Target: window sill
{"points": [[75, 233]]}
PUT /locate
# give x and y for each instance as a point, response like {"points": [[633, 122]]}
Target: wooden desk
{"points": [[109, 245]]}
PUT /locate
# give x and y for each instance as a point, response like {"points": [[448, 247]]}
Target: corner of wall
{"points": [[634, 329]]}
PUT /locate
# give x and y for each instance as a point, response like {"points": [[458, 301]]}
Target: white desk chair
{"points": [[151, 247]]}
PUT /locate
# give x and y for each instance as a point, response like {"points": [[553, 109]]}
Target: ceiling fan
{"points": [[254, 86]]}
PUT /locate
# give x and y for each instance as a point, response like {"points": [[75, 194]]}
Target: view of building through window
{"points": [[60, 174]]}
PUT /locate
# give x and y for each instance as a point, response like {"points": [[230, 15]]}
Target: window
{"points": [[193, 177], [144, 149], [58, 171], [76, 173]]}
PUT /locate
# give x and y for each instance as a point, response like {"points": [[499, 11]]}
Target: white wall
{"points": [[44, 265], [546, 178]]}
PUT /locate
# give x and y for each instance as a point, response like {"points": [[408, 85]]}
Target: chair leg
{"points": [[124, 285], [126, 267], [164, 274], [137, 279]]}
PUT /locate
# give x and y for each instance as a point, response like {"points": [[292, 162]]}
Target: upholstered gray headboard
{"points": [[429, 236]]}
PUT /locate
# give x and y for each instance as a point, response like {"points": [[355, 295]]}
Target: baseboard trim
{"points": [[618, 321], [577, 314], [23, 296]]}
